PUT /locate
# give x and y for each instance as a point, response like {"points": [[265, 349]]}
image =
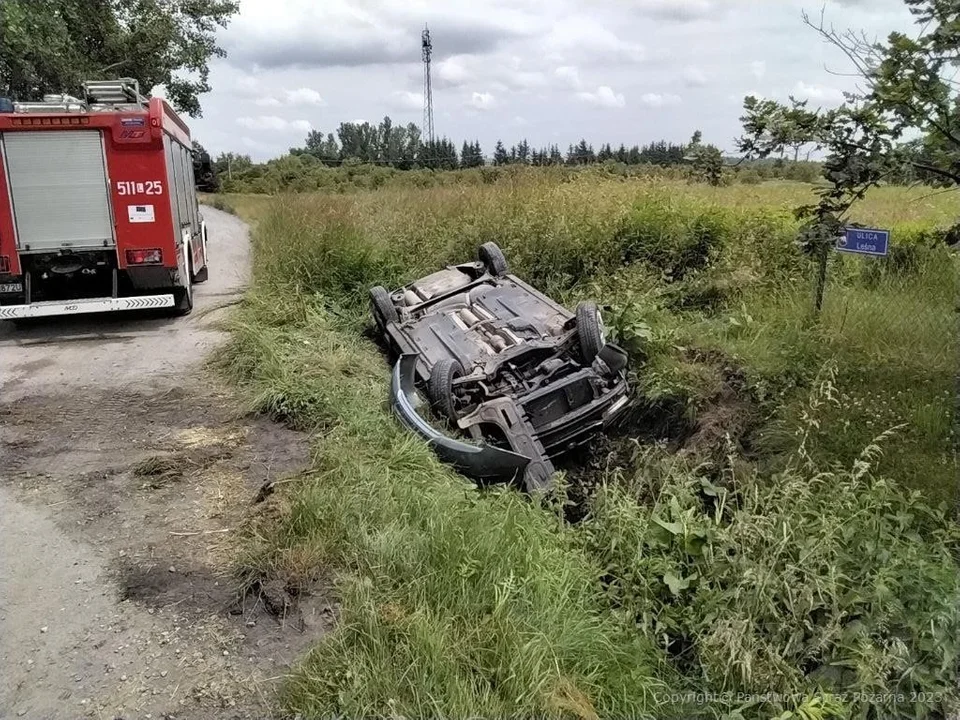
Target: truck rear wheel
{"points": [[184, 300], [184, 295], [203, 273]]}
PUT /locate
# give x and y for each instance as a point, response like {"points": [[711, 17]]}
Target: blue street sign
{"points": [[864, 241]]}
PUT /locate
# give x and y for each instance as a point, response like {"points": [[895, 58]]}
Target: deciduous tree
{"points": [[54, 45]]}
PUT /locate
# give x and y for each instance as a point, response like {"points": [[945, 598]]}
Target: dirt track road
{"points": [[124, 472]]}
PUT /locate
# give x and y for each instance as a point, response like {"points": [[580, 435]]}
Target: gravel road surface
{"points": [[125, 471]]}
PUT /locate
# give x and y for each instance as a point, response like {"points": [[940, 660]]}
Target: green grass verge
{"points": [[809, 577], [455, 602]]}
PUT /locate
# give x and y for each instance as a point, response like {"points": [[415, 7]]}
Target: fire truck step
{"points": [[92, 305]]}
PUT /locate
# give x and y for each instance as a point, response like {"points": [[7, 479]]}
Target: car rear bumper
{"points": [[482, 462], [86, 305]]}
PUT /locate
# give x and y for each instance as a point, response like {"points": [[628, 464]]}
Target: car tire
{"points": [[590, 330], [493, 258], [382, 307], [440, 387]]}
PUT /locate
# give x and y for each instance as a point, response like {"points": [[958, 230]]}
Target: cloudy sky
{"points": [[552, 71]]}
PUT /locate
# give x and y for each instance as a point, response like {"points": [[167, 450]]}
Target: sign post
{"points": [[864, 241], [854, 240]]}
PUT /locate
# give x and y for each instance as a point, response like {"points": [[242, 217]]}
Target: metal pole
{"points": [[821, 277]]}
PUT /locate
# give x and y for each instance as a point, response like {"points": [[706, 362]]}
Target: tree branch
{"points": [[920, 116], [851, 49], [936, 170]]}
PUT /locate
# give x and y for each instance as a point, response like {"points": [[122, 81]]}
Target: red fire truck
{"points": [[98, 209]]}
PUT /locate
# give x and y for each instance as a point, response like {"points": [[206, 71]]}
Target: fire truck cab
{"points": [[98, 207]]}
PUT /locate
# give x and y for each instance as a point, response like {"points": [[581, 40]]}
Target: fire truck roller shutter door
{"points": [[58, 184]]}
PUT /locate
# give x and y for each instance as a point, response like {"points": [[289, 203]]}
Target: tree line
{"points": [[402, 147], [662, 153]]}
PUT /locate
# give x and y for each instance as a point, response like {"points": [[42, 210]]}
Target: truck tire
{"points": [[382, 307], [440, 387], [493, 258], [184, 299], [203, 274], [590, 330], [183, 296]]}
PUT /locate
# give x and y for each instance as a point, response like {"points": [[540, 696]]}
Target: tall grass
{"points": [[455, 603], [800, 572], [716, 267]]}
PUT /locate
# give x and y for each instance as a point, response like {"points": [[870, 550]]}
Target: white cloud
{"points": [[406, 100], [247, 85], [659, 100], [303, 96], [817, 93], [272, 122], [307, 34], [694, 76], [452, 72], [584, 37], [758, 68], [682, 10], [482, 101], [739, 97], [568, 74], [603, 97], [292, 98], [250, 143], [498, 73], [527, 79]]}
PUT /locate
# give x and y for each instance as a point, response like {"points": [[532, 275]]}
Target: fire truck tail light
{"points": [[152, 256], [4, 263]]}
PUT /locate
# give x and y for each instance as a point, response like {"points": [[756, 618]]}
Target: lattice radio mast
{"points": [[427, 48]]}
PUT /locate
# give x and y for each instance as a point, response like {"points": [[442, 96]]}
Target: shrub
{"points": [[220, 203], [805, 582], [675, 241]]}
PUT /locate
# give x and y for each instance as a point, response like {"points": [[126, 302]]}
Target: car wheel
{"points": [[590, 330], [384, 311], [492, 256], [440, 387]]}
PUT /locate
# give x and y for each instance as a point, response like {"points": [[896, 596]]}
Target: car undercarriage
{"points": [[522, 379]]}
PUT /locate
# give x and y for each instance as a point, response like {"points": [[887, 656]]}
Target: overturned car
{"points": [[523, 379]]}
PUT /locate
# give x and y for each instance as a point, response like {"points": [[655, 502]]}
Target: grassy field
{"points": [[773, 519]]}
